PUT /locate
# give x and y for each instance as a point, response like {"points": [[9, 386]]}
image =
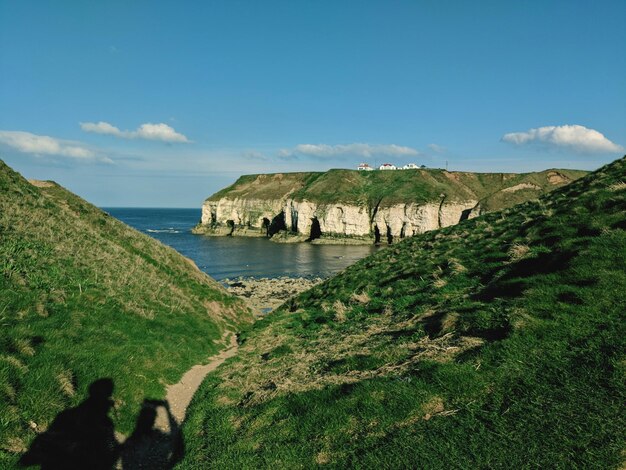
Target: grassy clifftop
{"points": [[82, 297], [390, 187], [496, 343]]}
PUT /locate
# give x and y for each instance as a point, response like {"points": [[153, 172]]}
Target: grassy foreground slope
{"points": [[386, 188], [496, 343], [82, 297]]}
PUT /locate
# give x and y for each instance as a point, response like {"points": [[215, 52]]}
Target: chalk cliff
{"points": [[344, 206]]}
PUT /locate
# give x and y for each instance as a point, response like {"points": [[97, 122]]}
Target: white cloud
{"points": [[436, 148], [578, 138], [159, 132], [254, 155], [356, 149], [147, 131], [39, 145], [101, 128]]}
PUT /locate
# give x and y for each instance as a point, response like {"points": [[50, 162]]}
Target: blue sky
{"points": [[161, 103]]}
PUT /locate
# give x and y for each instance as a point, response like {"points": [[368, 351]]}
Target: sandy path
{"points": [[179, 395], [160, 446]]}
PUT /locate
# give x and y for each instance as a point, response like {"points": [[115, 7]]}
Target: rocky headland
{"points": [[346, 206]]}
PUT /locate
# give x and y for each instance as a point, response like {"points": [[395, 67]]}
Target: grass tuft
{"points": [[362, 298], [66, 383], [340, 311], [518, 251]]}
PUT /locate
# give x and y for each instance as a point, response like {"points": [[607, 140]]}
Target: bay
{"points": [[230, 257]]}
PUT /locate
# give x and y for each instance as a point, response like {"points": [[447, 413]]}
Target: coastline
{"points": [[282, 236]]}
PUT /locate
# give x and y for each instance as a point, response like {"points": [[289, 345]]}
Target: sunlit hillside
{"points": [[496, 343], [82, 297]]}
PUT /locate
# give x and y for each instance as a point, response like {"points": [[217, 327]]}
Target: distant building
{"points": [[387, 166], [410, 166], [422, 167], [364, 167]]}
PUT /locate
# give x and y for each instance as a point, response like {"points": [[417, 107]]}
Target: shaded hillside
{"points": [[82, 297], [497, 343]]}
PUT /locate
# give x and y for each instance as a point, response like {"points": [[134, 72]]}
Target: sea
{"points": [[232, 257]]}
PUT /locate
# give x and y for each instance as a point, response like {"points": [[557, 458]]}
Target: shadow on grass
{"points": [[150, 447], [83, 437], [433, 324], [516, 279], [80, 437]]}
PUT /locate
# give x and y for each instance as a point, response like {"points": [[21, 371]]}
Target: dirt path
{"points": [[179, 395], [159, 445]]}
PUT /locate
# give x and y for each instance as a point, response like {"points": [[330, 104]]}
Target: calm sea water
{"points": [[228, 257]]}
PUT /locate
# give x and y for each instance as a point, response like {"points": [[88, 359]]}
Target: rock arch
{"points": [[231, 226], [316, 230], [465, 215], [265, 226], [277, 224], [376, 234], [389, 235]]}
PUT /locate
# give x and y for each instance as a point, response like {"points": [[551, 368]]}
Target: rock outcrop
{"points": [[345, 206], [245, 217]]}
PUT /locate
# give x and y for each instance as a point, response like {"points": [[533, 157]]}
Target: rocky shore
{"points": [[265, 294]]}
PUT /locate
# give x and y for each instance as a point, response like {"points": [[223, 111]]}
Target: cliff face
{"points": [[247, 217], [375, 207], [397, 221], [252, 216]]}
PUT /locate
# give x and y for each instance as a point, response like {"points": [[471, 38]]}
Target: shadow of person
{"points": [[81, 437], [149, 447]]}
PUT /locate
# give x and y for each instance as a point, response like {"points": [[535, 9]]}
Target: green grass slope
{"points": [[385, 188], [83, 296], [496, 343]]}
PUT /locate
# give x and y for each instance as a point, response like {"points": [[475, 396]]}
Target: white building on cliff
{"points": [[364, 167], [387, 166]]}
